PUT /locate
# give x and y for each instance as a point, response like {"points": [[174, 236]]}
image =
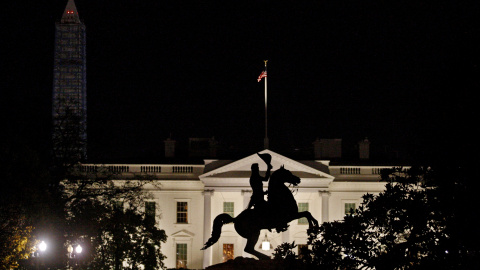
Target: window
{"points": [[349, 208], [182, 212], [150, 212], [302, 207], [228, 208], [228, 252], [181, 256], [150, 257], [301, 250]]}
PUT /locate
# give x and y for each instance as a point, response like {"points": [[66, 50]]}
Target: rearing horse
{"points": [[280, 210]]}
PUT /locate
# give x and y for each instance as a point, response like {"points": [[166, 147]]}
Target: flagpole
{"points": [[265, 141]]}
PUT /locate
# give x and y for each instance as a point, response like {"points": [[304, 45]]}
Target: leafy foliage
{"points": [[107, 216], [408, 226], [115, 238], [16, 245], [284, 251]]}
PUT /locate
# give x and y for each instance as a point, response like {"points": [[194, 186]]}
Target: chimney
{"points": [[364, 149], [169, 147], [327, 148]]}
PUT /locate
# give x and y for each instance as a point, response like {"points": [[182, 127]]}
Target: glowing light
{"points": [[70, 249], [42, 246], [78, 249], [265, 245]]}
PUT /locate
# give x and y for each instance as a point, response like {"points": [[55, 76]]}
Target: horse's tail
{"points": [[217, 228]]}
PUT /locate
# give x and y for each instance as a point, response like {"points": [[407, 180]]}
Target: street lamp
{"points": [[265, 245], [42, 246], [78, 249]]}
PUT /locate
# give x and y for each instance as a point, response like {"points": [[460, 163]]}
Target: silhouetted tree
{"points": [[116, 232], [413, 224], [67, 206]]}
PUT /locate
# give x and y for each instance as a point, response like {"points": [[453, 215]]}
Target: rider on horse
{"points": [[281, 209], [256, 182]]}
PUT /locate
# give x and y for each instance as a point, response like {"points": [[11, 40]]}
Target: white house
{"points": [[188, 197]]}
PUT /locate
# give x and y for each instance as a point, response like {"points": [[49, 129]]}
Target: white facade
{"points": [[326, 190]]}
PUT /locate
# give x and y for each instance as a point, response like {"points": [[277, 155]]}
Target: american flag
{"points": [[262, 75]]}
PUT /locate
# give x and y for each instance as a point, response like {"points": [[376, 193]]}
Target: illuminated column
{"points": [[285, 236], [325, 199], [246, 199], [207, 226]]}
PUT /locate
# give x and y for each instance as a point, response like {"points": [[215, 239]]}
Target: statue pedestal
{"points": [[246, 263]]}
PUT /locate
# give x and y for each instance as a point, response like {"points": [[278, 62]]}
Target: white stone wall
{"points": [[190, 233], [229, 235]]}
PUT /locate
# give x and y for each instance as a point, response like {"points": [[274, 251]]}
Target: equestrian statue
{"points": [[276, 213]]}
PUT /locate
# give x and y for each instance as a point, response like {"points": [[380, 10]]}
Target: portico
{"points": [[230, 183]]}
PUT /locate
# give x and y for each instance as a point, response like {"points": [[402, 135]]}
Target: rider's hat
{"points": [[267, 158]]}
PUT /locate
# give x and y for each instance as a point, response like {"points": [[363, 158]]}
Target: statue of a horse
{"points": [[280, 209]]}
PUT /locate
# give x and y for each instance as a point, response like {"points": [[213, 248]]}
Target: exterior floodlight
{"points": [[265, 243], [70, 249], [78, 249], [42, 246]]}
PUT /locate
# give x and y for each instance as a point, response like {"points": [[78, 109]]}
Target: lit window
{"points": [[182, 256], [150, 212], [228, 252], [228, 208], [349, 208], [301, 208], [182, 212]]}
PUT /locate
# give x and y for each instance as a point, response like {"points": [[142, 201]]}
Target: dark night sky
{"points": [[402, 73]]}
